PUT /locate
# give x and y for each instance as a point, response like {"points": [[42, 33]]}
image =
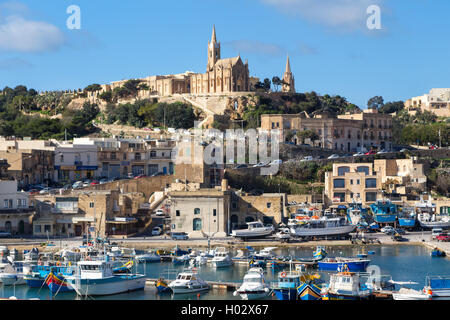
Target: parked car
{"points": [[307, 158], [77, 185], [159, 212], [156, 231], [359, 154], [371, 152], [444, 237], [140, 176], [433, 147], [241, 166], [435, 232], [382, 151], [157, 174], [388, 230], [404, 150], [333, 156], [33, 191], [94, 182], [103, 181], [258, 165], [179, 236], [278, 161], [87, 183]]}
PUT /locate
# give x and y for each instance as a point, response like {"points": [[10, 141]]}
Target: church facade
{"points": [[222, 75]]}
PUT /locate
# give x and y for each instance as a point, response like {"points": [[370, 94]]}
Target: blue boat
{"points": [[339, 263], [437, 253], [38, 275], [384, 211], [162, 286], [309, 291], [320, 253], [407, 218], [286, 287], [57, 282], [361, 255]]}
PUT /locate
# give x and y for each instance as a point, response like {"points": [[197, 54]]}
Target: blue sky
{"points": [[331, 49]]}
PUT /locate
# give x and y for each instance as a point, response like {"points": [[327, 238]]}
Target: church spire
{"points": [[288, 65], [213, 37]]}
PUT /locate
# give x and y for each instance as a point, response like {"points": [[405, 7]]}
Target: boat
{"points": [[322, 227], [410, 294], [384, 211], [284, 235], [125, 268], [221, 259], [253, 286], [181, 259], [407, 218], [57, 282], [148, 257], [309, 290], [286, 287], [265, 254], [176, 251], [254, 229], [162, 286], [340, 263], [188, 281], [320, 253], [437, 286], [345, 285], [437, 253], [31, 255], [10, 275], [96, 278], [427, 216]]}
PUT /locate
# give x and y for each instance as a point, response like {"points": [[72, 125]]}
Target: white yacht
{"points": [[410, 294], [96, 277], [322, 227], [221, 259], [345, 286], [254, 285], [188, 281], [254, 230]]}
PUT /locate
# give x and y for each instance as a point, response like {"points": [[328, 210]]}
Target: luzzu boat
{"points": [[162, 286], [384, 211], [57, 283], [35, 278], [309, 291]]}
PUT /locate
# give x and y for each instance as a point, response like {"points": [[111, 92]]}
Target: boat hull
{"points": [[353, 266], [185, 289], [308, 292], [12, 279], [251, 234], [435, 224], [34, 282], [323, 232], [335, 296], [107, 286], [253, 295], [286, 294], [385, 218], [407, 223]]}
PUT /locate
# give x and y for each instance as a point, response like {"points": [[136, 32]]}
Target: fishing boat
{"points": [[384, 211], [96, 278], [188, 281], [184, 259], [124, 268], [265, 254], [427, 216], [162, 286], [148, 257], [221, 258], [340, 263], [309, 290], [320, 253], [407, 217], [57, 282], [410, 294], [345, 285], [253, 286], [437, 286], [254, 229], [286, 287], [10, 275], [322, 227], [437, 253]]}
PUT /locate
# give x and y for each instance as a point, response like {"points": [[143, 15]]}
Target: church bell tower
{"points": [[213, 51]]}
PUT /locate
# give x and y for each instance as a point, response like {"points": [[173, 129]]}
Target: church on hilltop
{"points": [[222, 76]]}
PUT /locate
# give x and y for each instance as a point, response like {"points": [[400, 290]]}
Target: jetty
{"points": [[219, 285]]}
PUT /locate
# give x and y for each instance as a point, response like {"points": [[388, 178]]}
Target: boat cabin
{"points": [[95, 269]]}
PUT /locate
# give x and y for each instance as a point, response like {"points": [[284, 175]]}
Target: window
{"points": [[197, 211], [177, 213], [234, 205], [269, 205], [371, 183], [357, 181], [91, 204], [214, 212], [339, 183], [351, 181], [197, 224], [47, 228], [37, 228], [340, 196], [371, 196], [364, 169]]}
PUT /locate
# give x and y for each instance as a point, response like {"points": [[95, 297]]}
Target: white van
{"points": [[435, 232]]}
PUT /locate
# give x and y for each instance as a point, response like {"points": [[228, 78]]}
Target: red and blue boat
{"points": [[57, 283], [309, 291]]}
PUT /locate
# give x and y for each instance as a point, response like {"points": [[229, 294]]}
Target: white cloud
{"points": [[256, 47], [22, 35], [347, 15]]}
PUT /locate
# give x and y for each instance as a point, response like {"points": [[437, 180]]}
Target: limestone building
{"points": [[436, 101], [222, 75]]}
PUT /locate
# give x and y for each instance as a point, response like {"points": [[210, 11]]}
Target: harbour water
{"points": [[403, 263]]}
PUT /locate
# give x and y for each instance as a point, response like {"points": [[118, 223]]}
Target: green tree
{"points": [[375, 102], [276, 81], [307, 134]]}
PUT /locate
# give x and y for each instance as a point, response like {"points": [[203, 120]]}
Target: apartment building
{"points": [[347, 133], [15, 212], [364, 182], [436, 101]]}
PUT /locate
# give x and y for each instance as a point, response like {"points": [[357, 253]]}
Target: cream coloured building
{"points": [[436, 101]]}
